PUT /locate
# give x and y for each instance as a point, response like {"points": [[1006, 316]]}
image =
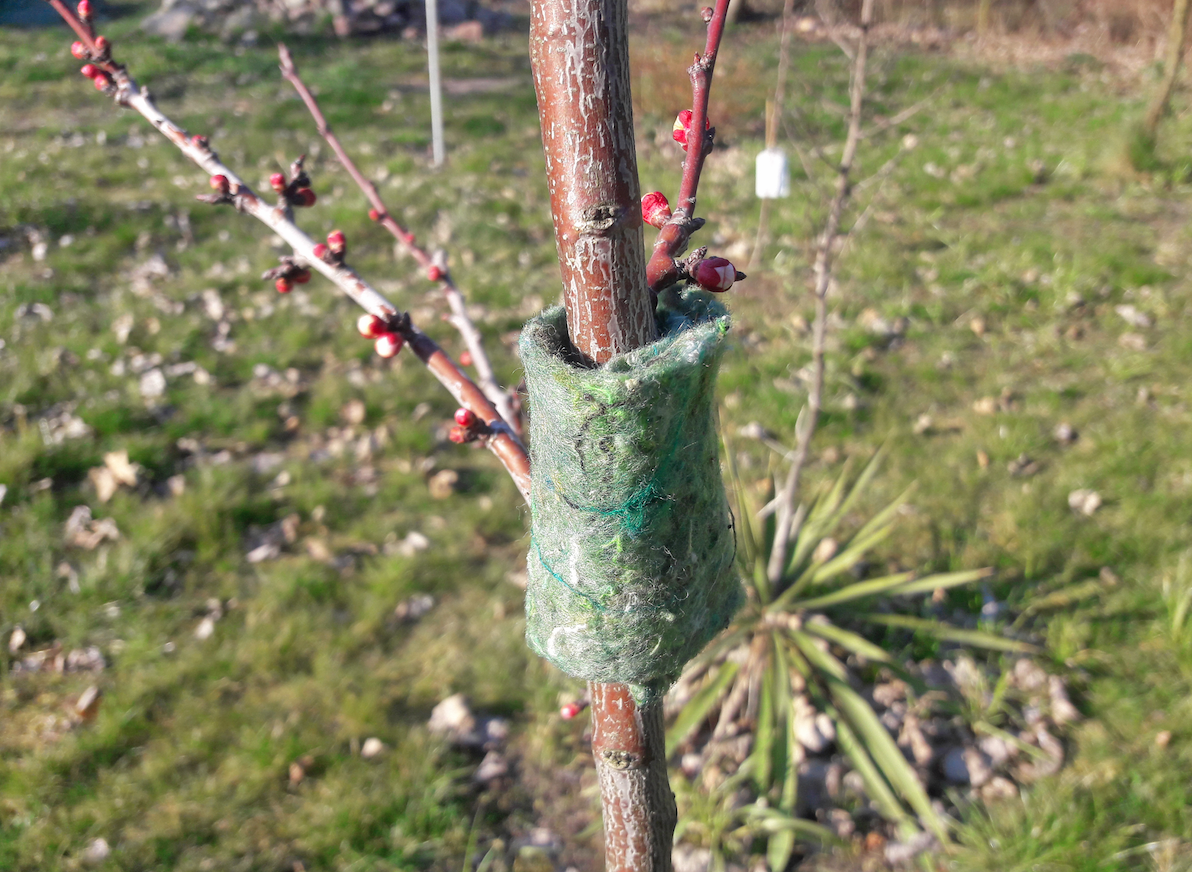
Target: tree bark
{"points": [[1177, 35], [579, 50]]}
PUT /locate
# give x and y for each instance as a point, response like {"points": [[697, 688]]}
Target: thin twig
{"points": [[459, 319], [664, 268], [824, 260], [501, 440]]}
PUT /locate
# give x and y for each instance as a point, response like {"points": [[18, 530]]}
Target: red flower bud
{"points": [[370, 326], [320, 251], [389, 344], [304, 197], [199, 141], [301, 276], [220, 183], [84, 9], [465, 417], [374, 215], [682, 128], [706, 14], [278, 182], [458, 435], [656, 211], [336, 241], [715, 274], [78, 50], [283, 285], [91, 71], [465, 358], [571, 710], [102, 81], [434, 273], [102, 44]]}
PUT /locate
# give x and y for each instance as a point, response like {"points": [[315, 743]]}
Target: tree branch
{"points": [[437, 272], [809, 419], [664, 268], [125, 90]]}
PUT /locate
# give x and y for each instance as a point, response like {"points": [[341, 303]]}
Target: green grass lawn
{"points": [[999, 237]]}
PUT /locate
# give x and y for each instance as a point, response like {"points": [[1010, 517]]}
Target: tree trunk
{"points": [[1177, 35], [579, 50]]}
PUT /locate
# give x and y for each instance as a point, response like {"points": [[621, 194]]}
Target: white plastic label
{"points": [[773, 175]]}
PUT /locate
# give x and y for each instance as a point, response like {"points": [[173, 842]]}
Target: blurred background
{"points": [[259, 613]]}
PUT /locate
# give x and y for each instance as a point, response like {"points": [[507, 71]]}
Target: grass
{"points": [[186, 765]]}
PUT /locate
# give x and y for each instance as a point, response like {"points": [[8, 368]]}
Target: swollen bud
{"points": [[102, 82], [78, 50], [278, 182], [84, 9], [389, 344], [715, 274], [304, 197], [656, 211], [682, 128], [465, 417], [370, 326], [706, 14], [102, 44], [458, 435], [90, 71], [465, 358], [220, 183], [434, 273], [283, 285], [337, 242], [320, 251], [570, 710], [374, 215]]}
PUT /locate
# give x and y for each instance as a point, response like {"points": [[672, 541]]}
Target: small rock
{"points": [[1062, 710], [977, 325], [1022, 466], [1065, 433], [985, 406], [153, 384], [807, 732], [1028, 676], [899, 853], [955, 766], [1132, 316], [372, 747], [353, 412], [97, 851], [1132, 341], [999, 788], [16, 640], [997, 750], [205, 629], [1084, 501], [443, 484], [912, 736], [492, 767], [922, 424], [415, 607], [3, 492], [1162, 739], [452, 717]]}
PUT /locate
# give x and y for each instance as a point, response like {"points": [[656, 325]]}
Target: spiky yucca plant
{"points": [[786, 658]]}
